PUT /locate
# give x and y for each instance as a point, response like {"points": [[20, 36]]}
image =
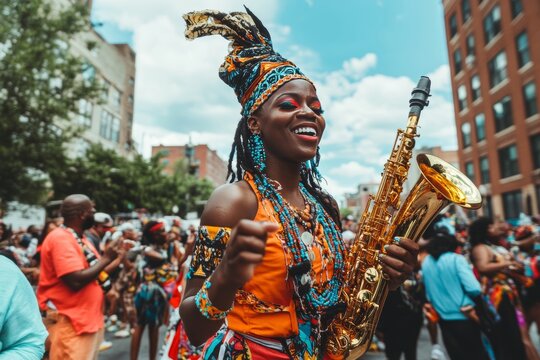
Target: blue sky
{"points": [[365, 57]]}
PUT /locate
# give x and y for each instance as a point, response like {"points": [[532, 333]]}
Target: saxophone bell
{"points": [[366, 287]]}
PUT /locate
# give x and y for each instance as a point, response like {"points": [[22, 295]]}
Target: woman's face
{"points": [[160, 236], [291, 122]]}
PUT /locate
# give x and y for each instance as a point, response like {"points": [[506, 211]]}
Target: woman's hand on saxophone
{"points": [[399, 260]]}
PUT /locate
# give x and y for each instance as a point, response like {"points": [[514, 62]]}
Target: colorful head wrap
{"points": [[252, 68], [157, 227]]}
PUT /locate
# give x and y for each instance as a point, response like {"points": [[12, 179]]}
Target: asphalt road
{"points": [[120, 348]]}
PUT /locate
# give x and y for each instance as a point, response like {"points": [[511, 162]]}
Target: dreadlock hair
{"points": [[479, 231], [309, 175]]}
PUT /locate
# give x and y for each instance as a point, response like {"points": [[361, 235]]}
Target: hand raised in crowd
{"points": [[399, 261], [516, 266], [245, 250], [113, 249]]}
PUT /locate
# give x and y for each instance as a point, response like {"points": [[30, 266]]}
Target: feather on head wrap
{"points": [[252, 68]]}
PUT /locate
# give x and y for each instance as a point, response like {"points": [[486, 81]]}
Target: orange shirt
{"points": [[270, 285], [61, 255]]}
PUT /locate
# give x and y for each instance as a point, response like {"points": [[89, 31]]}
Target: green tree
{"points": [[345, 211], [190, 192], [117, 184], [40, 89]]}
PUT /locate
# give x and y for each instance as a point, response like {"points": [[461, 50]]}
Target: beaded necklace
{"points": [[314, 300]]}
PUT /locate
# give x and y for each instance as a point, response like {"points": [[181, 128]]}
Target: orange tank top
{"points": [[264, 306]]}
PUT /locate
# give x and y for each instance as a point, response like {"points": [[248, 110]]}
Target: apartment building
{"points": [[494, 55]]}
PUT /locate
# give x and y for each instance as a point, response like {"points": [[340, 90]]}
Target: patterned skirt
{"points": [[151, 303], [227, 344]]}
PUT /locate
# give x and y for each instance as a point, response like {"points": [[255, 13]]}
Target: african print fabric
{"points": [[252, 68], [209, 249]]}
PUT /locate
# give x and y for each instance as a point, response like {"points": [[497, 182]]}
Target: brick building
{"points": [[206, 162], [494, 54]]}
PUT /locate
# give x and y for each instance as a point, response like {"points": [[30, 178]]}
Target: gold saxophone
{"points": [[365, 289]]}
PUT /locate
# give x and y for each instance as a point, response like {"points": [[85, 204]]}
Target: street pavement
{"points": [[120, 348]]}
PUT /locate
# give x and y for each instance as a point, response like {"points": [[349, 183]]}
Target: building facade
{"points": [[357, 201], [204, 162], [494, 55], [109, 120]]}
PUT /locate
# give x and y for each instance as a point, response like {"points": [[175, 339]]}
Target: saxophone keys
{"points": [[371, 275], [365, 295]]}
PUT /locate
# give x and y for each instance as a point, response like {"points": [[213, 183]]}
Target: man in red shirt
{"points": [[68, 291]]}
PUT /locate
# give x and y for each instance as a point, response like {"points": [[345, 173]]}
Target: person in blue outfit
{"points": [[451, 287], [22, 333]]}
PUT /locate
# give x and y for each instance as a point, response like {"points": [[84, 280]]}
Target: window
{"points": [[522, 49], [535, 148], [502, 113], [512, 205], [452, 24], [508, 161], [469, 170], [457, 61], [105, 125], [497, 69], [529, 97], [470, 45], [465, 10], [492, 23], [484, 170], [462, 97], [475, 87], [116, 97], [517, 7], [85, 113], [164, 152], [110, 126], [115, 131], [466, 134], [105, 85], [480, 122], [88, 72]]}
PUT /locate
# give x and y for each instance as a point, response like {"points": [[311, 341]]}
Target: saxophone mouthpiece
{"points": [[420, 96]]}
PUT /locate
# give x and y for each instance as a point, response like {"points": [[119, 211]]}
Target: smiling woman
{"points": [[269, 255]]}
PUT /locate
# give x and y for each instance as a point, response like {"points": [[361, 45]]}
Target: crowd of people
{"points": [[459, 268], [478, 284], [90, 275]]}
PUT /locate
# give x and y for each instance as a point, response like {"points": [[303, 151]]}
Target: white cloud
{"points": [[356, 68], [364, 112], [440, 79], [177, 85], [353, 169], [178, 92]]}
